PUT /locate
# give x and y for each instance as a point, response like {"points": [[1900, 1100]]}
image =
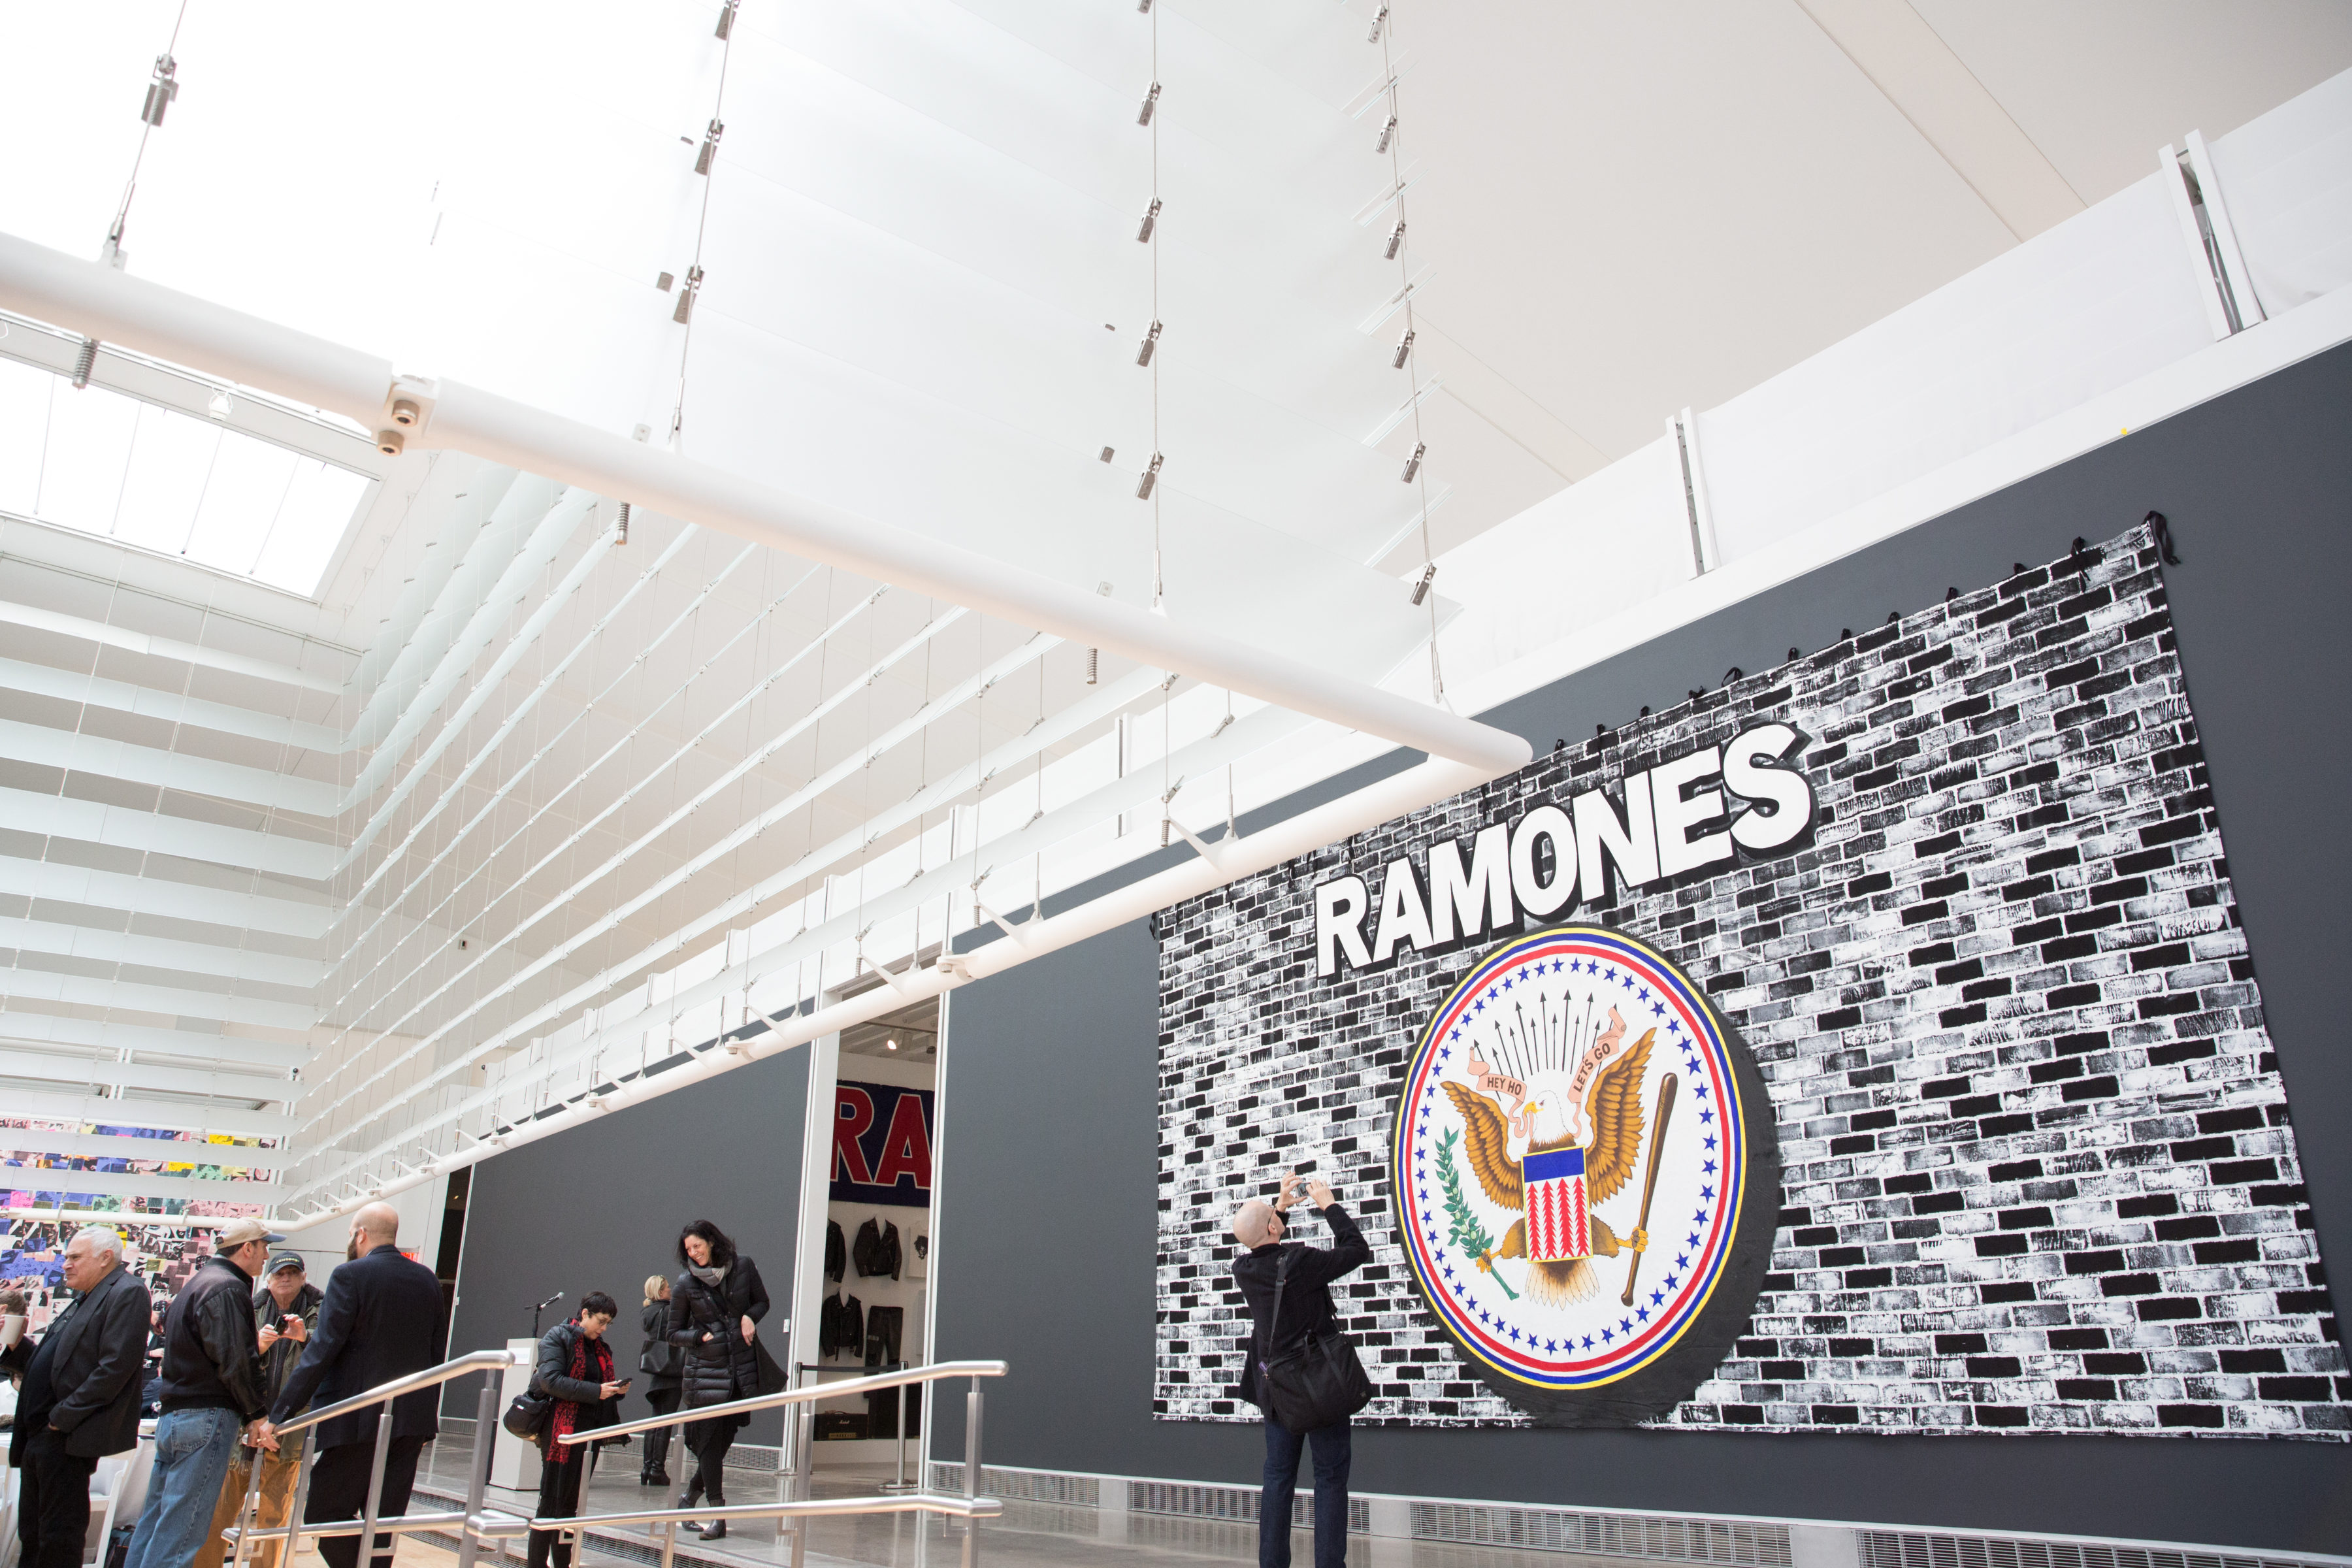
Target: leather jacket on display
{"points": [[836, 1262], [877, 1249]]}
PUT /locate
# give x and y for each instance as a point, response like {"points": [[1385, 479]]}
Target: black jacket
{"points": [[1305, 1298], [659, 1361], [280, 1359], [553, 1378], [841, 1324], [836, 1251], [720, 1367], [97, 1350], [876, 1249], [212, 1351], [381, 1320]]}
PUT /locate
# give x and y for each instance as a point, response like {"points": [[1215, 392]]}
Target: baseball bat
{"points": [[1650, 1186]]}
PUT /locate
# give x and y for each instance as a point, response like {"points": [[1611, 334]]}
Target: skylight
{"points": [[111, 465]]}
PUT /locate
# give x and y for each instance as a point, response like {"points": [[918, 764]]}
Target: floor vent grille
{"points": [[1736, 1543], [1918, 1548]]}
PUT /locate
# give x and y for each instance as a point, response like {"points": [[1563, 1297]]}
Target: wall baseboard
{"points": [[1725, 1540]]}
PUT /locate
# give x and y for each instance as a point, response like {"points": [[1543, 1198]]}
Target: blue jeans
{"points": [[1332, 1451], [192, 1454]]}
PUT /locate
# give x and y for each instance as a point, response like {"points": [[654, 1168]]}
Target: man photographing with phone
{"points": [[1302, 1277]]}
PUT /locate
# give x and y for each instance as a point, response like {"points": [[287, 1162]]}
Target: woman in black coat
{"points": [[659, 1362], [714, 1306], [575, 1369]]}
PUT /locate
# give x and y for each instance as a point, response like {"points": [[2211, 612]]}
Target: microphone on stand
{"points": [[542, 1307]]}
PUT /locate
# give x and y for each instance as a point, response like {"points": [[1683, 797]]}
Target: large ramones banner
{"points": [[1869, 1044]]}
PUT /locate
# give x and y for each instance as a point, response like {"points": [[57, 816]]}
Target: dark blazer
{"points": [[381, 1320], [1307, 1306], [100, 1351]]}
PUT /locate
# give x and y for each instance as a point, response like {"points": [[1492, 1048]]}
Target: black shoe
{"points": [[714, 1530]]}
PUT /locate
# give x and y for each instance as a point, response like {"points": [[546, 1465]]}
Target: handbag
{"points": [[771, 1375], [528, 1415], [1319, 1384]]}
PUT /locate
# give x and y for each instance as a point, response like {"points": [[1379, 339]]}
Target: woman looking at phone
{"points": [[575, 1370]]}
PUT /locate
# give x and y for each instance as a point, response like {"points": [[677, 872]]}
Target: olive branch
{"points": [[1466, 1232]]}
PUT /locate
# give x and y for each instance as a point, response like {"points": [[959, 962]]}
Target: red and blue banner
{"points": [[881, 1144]]}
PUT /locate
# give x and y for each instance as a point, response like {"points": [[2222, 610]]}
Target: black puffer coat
{"points": [[659, 1361], [722, 1366]]}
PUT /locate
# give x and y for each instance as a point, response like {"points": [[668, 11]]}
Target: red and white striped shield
{"points": [[1558, 1218]]}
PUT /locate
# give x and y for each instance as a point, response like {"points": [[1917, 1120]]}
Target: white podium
{"points": [[514, 1464]]}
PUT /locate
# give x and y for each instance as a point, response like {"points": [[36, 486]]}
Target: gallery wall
{"points": [[1052, 1144], [599, 1208]]}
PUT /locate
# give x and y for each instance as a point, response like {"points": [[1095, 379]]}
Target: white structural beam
{"points": [[92, 1072], [180, 1115], [59, 816], [68, 1143], [153, 895], [37, 1029], [100, 302], [26, 984], [39, 619], [170, 706], [194, 958], [139, 1184], [84, 753]]}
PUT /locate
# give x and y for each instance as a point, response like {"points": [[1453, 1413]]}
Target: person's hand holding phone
{"points": [[1318, 1193], [615, 1390]]}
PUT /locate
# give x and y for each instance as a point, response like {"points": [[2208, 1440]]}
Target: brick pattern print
{"points": [[2040, 1176]]}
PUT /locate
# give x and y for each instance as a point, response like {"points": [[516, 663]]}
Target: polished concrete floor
{"points": [[1029, 1535]]}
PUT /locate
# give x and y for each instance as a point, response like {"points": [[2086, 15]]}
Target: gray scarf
{"points": [[712, 1276]]}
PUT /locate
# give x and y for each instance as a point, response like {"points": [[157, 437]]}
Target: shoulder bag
{"points": [[1318, 1382], [529, 1413]]}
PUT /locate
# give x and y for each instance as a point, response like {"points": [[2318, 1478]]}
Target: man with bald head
{"points": [[1300, 1278], [381, 1320]]}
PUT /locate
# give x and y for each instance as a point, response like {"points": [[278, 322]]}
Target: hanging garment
{"points": [[867, 1251], [890, 1253], [836, 1262], [884, 1326]]}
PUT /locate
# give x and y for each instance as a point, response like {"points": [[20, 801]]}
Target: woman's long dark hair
{"points": [[722, 1251]]}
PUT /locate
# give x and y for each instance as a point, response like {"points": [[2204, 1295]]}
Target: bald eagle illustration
{"points": [[1611, 1114]]}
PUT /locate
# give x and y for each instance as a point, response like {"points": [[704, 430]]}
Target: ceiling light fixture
{"points": [[220, 405], [703, 159], [1413, 464], [1387, 130], [1151, 221], [84, 362], [161, 90], [1150, 341], [1150, 101], [1403, 350], [1396, 241], [1094, 673], [889, 1045], [1152, 478]]}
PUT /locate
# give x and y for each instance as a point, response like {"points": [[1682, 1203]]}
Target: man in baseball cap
{"points": [[211, 1389], [285, 1313]]}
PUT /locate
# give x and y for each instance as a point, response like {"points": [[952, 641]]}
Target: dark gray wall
{"points": [[1047, 1232], [599, 1208]]}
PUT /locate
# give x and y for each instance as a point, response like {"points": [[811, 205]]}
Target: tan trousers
{"points": [[276, 1501]]}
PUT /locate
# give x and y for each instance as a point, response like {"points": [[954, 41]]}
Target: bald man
{"points": [[381, 1320], [1303, 1276]]}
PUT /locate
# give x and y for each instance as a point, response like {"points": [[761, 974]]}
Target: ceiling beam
{"points": [[169, 707], [20, 1027], [65, 1141], [39, 619], [71, 1071], [178, 1115], [62, 816], [98, 945], [154, 894], [163, 1001], [139, 1185]]}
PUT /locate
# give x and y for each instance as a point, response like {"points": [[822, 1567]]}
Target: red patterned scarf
{"points": [[591, 1361]]}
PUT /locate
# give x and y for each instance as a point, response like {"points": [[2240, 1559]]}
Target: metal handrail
{"points": [[936, 1371], [475, 1361]]}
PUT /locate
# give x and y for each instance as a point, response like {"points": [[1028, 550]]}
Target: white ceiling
{"points": [[921, 223]]}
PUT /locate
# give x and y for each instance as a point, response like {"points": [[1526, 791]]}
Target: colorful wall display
{"points": [[1893, 1001]]}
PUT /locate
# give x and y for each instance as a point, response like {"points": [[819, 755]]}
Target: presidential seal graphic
{"points": [[1587, 1178]]}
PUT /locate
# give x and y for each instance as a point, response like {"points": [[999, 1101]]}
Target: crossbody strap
{"points": [[1274, 1319]]}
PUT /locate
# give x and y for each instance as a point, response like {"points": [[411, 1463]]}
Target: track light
{"points": [[1151, 221], [1387, 130], [1378, 23], [84, 362], [687, 293], [161, 90], [1396, 241], [220, 405], [1144, 6], [1150, 477], [1093, 665], [1150, 102], [1413, 464], [621, 534], [703, 160], [1151, 342], [1403, 350], [1421, 589], [1107, 454], [727, 18]]}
